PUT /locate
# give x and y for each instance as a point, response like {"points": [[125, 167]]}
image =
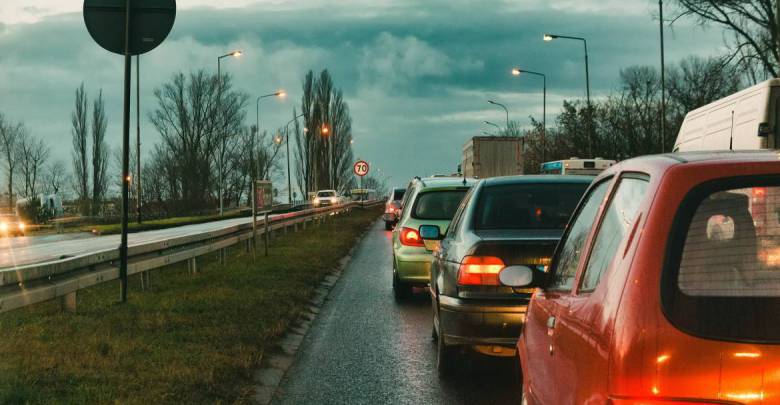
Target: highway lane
{"points": [[26, 250], [366, 349]]}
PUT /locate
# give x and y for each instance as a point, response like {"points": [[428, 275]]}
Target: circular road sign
{"points": [[361, 168], [150, 23]]}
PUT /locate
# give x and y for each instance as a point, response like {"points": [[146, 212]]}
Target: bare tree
{"points": [[324, 148], [194, 123], [80, 133], [55, 176], [33, 153], [99, 153], [9, 140], [753, 29]]}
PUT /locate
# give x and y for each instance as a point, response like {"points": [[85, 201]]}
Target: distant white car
{"points": [[326, 198]]}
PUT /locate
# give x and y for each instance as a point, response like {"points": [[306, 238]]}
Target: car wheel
{"points": [[388, 226], [445, 356], [401, 290]]}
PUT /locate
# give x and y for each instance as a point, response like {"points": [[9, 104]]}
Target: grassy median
{"points": [[190, 339]]}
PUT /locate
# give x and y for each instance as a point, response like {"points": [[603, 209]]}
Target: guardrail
{"points": [[40, 282]]}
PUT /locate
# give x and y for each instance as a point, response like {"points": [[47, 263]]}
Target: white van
{"points": [[745, 120]]}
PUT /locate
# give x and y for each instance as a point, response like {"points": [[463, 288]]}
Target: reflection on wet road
{"points": [[366, 348]]}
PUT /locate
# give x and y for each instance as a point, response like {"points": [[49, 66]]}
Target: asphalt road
{"points": [[364, 348], [28, 250]]}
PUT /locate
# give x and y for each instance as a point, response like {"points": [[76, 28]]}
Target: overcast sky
{"points": [[416, 74]]}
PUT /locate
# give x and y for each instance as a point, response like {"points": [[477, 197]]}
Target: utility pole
{"points": [[663, 74]]}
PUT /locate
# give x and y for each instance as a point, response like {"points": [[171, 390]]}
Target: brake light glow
{"points": [[480, 270], [411, 237]]}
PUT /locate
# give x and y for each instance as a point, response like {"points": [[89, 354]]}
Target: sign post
{"points": [[128, 28], [263, 204], [361, 169]]}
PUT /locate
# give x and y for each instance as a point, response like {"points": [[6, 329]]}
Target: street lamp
{"points": [[550, 37], [234, 54], [517, 72], [505, 109], [493, 124]]}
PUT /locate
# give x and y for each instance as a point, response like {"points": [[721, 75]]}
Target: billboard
{"points": [[264, 196]]}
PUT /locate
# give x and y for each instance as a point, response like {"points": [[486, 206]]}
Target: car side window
{"points": [[619, 217], [457, 219], [574, 242]]}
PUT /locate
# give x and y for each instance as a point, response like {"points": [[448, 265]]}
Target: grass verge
{"points": [[190, 339]]}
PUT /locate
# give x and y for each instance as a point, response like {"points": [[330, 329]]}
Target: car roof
{"points": [[698, 159], [538, 178], [445, 182]]}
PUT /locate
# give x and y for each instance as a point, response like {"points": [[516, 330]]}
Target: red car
{"points": [[664, 289]]}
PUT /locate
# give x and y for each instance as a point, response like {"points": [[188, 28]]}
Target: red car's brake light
{"points": [[411, 237], [480, 270]]}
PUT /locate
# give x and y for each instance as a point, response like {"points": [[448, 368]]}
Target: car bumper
{"points": [[480, 322]]}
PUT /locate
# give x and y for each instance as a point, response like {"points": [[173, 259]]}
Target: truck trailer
{"points": [[492, 156]]}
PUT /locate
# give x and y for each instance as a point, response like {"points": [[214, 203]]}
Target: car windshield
{"points": [[326, 194], [527, 206], [398, 194], [727, 282], [437, 205]]}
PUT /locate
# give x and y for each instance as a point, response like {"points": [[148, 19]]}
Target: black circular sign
{"points": [[150, 23]]}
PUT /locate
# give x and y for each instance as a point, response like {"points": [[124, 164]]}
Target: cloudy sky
{"points": [[416, 74]]}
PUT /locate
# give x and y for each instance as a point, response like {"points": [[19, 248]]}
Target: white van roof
{"points": [[733, 122]]}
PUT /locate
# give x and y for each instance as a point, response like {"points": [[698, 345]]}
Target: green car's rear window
{"points": [[437, 205]]}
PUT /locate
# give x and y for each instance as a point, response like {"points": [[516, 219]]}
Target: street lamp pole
{"points": [[138, 137], [550, 37], [287, 141], [663, 78], [518, 72], [234, 54], [505, 109]]}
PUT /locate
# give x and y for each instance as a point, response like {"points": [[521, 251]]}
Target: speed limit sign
{"points": [[361, 168]]}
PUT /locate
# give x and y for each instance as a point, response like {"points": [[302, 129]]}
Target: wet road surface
{"points": [[364, 348], [20, 251]]}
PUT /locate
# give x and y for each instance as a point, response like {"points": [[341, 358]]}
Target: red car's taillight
{"points": [[411, 237], [480, 270], [657, 401]]}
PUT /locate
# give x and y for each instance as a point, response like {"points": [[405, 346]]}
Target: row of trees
{"points": [[208, 151], [25, 162], [627, 122]]}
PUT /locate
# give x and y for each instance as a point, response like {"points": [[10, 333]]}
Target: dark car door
{"points": [[543, 369]]}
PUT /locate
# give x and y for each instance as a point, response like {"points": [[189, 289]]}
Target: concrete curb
{"points": [[280, 356]]}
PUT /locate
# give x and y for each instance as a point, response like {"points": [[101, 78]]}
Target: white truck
{"points": [[745, 120]]}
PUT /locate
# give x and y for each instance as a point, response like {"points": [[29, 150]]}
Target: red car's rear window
{"points": [[722, 278]]}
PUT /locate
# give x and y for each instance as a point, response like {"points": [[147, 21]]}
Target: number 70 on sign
{"points": [[361, 168]]}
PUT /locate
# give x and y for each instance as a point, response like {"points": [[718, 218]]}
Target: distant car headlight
{"points": [[316, 201], [21, 226], [3, 226]]}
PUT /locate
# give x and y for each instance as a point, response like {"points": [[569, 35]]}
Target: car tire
{"points": [[401, 291], [523, 397], [434, 334], [445, 356], [388, 226]]}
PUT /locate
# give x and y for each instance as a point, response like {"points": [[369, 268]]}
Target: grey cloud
{"points": [[417, 76]]}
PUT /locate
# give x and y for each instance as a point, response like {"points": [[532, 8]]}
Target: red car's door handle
{"points": [[551, 322]]}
